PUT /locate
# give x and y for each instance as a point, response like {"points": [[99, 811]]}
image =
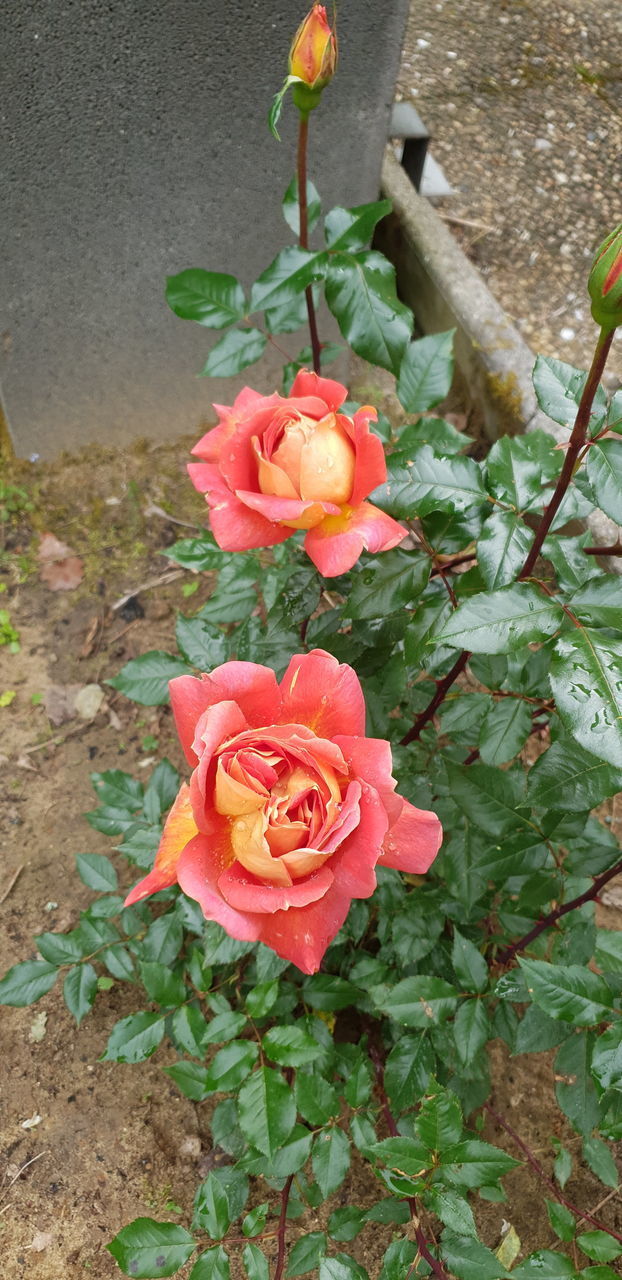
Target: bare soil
{"points": [[85, 1146]]}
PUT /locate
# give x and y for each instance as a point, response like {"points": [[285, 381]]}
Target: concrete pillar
{"points": [[135, 145]]}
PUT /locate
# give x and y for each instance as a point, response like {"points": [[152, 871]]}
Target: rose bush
{"points": [[277, 464], [290, 807]]}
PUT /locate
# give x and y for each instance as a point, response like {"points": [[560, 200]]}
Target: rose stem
{"points": [[575, 445], [303, 237], [509, 952], [422, 1245], [281, 1255], [537, 1167], [578, 439]]}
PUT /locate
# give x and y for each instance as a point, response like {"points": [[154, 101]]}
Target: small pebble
{"points": [[566, 335]]}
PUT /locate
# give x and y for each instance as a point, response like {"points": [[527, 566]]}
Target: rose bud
{"points": [[605, 281], [276, 464], [312, 58], [290, 808]]}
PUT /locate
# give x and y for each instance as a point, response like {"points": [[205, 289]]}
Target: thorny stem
{"points": [[422, 1244], [578, 439], [281, 1254], [508, 953], [537, 1167], [303, 237], [442, 689]]}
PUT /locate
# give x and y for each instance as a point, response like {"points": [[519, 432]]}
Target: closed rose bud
{"points": [[605, 281], [313, 57]]}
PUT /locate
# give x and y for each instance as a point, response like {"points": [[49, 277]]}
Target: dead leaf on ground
{"points": [[61, 569], [40, 1241], [59, 701]]}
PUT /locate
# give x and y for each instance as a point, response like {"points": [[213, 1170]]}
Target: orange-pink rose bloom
{"points": [[313, 55], [275, 464], [290, 807]]}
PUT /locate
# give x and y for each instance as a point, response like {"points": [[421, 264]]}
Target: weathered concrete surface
{"points": [[135, 145], [446, 291]]}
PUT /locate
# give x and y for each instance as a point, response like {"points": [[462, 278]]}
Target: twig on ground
{"points": [[12, 883], [169, 576]]}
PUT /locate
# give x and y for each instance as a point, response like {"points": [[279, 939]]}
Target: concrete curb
{"points": [[446, 291]]}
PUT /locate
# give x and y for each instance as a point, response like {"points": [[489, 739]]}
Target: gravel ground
{"points": [[524, 104]]}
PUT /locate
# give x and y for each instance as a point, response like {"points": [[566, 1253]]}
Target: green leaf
{"points": [[574, 1087], [145, 679], [360, 292], [607, 1058], [289, 319], [502, 621], [291, 208], [471, 1030], [567, 778], [408, 1069], [199, 554], [424, 482], [330, 1159], [191, 1079], [234, 352], [536, 1032], [608, 952], [561, 1220], [231, 1065], [341, 1267], [469, 964], [358, 1086], [502, 548], [491, 798], [146, 1248], [469, 1259], [569, 992], [61, 948], [255, 1221], [439, 1123], [290, 1046], [135, 1038], [306, 1254], [288, 275], [586, 680], [405, 1156], [345, 1224], [118, 790], [203, 644], [352, 229], [163, 939], [267, 1110], [426, 372], [599, 600], [505, 730], [475, 1164], [235, 595], [213, 1211], [316, 1099], [517, 467], [600, 1159], [161, 985], [255, 1263], [604, 472], [599, 1246], [559, 387], [97, 872], [441, 435], [79, 990], [25, 983], [452, 1209], [213, 1265], [208, 297], [329, 993], [421, 1002], [545, 1265], [387, 583]]}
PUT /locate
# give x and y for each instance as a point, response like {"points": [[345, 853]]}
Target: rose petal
{"points": [[371, 760], [292, 512], [412, 842], [237, 528], [198, 870], [246, 893], [335, 545], [371, 466], [254, 688], [322, 693], [179, 828], [307, 383]]}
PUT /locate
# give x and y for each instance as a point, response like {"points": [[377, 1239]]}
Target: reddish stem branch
{"points": [[442, 689], [537, 1167], [303, 236], [422, 1244], [508, 954], [578, 439], [281, 1254], [614, 550]]}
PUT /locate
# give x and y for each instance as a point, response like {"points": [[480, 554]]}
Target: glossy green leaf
{"points": [[545, 1265], [469, 1259], [25, 983], [502, 548], [267, 1110], [599, 1246], [234, 352], [330, 1159], [469, 964], [471, 1030], [439, 1122], [97, 872], [441, 435], [387, 583], [586, 680], [604, 472], [491, 798], [559, 387], [212, 1265], [288, 275], [600, 1159], [352, 229], [203, 644], [426, 372], [191, 1079], [162, 985], [134, 1038], [316, 1099], [420, 1002], [423, 482], [562, 1220], [146, 1248], [291, 208], [607, 1058], [574, 1086], [566, 777], [145, 679], [79, 990], [232, 1064], [360, 292], [208, 297], [518, 467], [502, 621], [453, 1210], [199, 554], [599, 600], [306, 1253], [568, 992], [407, 1156], [505, 730], [475, 1164], [290, 1046], [341, 1267]]}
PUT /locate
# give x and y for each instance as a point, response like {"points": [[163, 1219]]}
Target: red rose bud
{"points": [[605, 281], [313, 57]]}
